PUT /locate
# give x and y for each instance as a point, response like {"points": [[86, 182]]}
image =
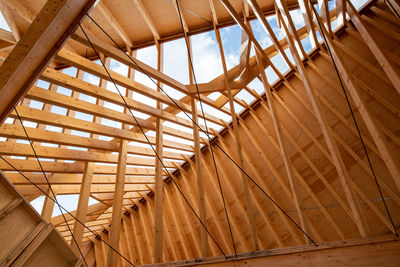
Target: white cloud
{"points": [[3, 23], [207, 59], [297, 18]]}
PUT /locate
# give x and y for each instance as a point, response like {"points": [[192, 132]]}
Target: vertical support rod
{"points": [[48, 207], [158, 190], [82, 205], [197, 153], [237, 143], [117, 204], [282, 144]]}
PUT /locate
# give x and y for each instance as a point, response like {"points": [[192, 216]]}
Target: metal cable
{"points": [[48, 183], [66, 211], [197, 125], [355, 122], [148, 141], [208, 133]]}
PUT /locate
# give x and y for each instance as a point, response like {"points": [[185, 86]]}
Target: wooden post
{"points": [[308, 20], [159, 183], [288, 27], [82, 206], [283, 148], [117, 204], [239, 154], [197, 153], [48, 206], [324, 10]]}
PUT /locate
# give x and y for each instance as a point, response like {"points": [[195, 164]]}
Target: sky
{"points": [[207, 66]]}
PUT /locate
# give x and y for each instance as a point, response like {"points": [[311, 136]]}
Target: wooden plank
{"points": [[5, 11], [288, 26], [283, 149], [324, 13], [81, 125], [261, 18], [45, 36], [117, 54], [48, 205], [83, 203], [159, 181], [95, 69], [7, 209], [113, 22], [117, 204], [38, 135], [198, 155], [378, 136], [72, 154], [308, 20], [147, 18], [377, 51], [239, 155], [381, 251]]}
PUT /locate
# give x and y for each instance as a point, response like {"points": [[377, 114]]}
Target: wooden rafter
{"points": [[38, 47]]}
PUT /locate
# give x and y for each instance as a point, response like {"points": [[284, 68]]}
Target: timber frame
{"points": [[281, 114]]}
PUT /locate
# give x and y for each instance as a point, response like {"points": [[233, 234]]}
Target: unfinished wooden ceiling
{"points": [[286, 165]]}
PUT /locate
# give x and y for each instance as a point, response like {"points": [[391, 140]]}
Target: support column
{"points": [[82, 206], [239, 154], [117, 204], [158, 189], [197, 153], [48, 206]]}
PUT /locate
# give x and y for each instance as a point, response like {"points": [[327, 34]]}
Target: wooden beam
{"points": [[159, 181], [283, 149], [261, 18], [72, 154], [340, 11], [81, 125], [385, 62], [21, 9], [147, 18], [239, 155], [117, 54], [113, 22], [83, 203], [44, 37], [48, 205], [374, 251], [5, 11], [378, 136], [95, 69], [338, 162], [394, 6], [324, 11], [308, 20], [198, 155], [117, 204]]}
